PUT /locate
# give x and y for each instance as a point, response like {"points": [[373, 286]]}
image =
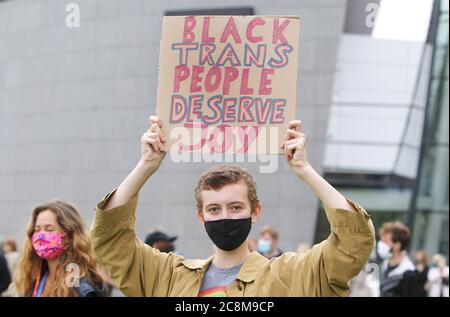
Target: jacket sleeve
{"points": [[327, 268], [134, 267]]}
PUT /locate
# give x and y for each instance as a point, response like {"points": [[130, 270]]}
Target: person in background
{"points": [[5, 277], [268, 242], [420, 275], [9, 247], [391, 248], [57, 258], [438, 277], [161, 241]]}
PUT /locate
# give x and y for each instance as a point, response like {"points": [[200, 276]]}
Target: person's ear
{"points": [[200, 216], [256, 213]]}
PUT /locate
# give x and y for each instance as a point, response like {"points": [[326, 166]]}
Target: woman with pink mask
{"points": [[57, 257]]}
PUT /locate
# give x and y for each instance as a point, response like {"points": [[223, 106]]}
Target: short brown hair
{"points": [[270, 230], [217, 177], [400, 232], [11, 244]]}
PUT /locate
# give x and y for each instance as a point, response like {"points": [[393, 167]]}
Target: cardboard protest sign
{"points": [[227, 84]]}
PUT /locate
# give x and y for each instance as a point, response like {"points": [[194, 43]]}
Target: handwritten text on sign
{"points": [[234, 78]]}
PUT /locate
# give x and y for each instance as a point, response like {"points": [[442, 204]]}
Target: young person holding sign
{"points": [[227, 205]]}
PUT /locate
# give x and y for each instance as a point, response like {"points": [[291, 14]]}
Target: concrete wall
{"points": [[74, 102]]}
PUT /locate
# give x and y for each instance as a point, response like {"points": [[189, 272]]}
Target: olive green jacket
{"points": [[325, 270]]}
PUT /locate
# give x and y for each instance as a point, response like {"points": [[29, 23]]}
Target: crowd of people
{"points": [[60, 257], [401, 275]]}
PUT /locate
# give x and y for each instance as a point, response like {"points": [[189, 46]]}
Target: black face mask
{"points": [[228, 234]]}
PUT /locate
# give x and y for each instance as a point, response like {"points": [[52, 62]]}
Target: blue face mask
{"points": [[264, 246]]}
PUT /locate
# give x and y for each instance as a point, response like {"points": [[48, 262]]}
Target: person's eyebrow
{"points": [[211, 205], [43, 225], [237, 202]]}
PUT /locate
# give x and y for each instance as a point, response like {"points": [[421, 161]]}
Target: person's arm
{"points": [[134, 267], [328, 267]]}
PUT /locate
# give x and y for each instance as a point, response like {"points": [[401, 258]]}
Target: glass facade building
{"points": [[429, 209], [387, 139]]}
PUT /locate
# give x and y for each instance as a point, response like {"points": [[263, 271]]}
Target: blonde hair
{"points": [[79, 251]]}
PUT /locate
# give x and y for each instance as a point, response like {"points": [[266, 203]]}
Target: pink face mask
{"points": [[49, 245]]}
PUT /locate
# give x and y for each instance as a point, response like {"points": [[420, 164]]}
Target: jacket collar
{"points": [[201, 265], [246, 274], [405, 265], [251, 266]]}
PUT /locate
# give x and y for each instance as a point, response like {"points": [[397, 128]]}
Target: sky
{"points": [[403, 20]]}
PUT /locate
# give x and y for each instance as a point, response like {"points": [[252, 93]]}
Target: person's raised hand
{"points": [[294, 146], [153, 148]]}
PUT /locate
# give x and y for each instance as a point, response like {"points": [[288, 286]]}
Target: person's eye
{"points": [[236, 208], [213, 210]]}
